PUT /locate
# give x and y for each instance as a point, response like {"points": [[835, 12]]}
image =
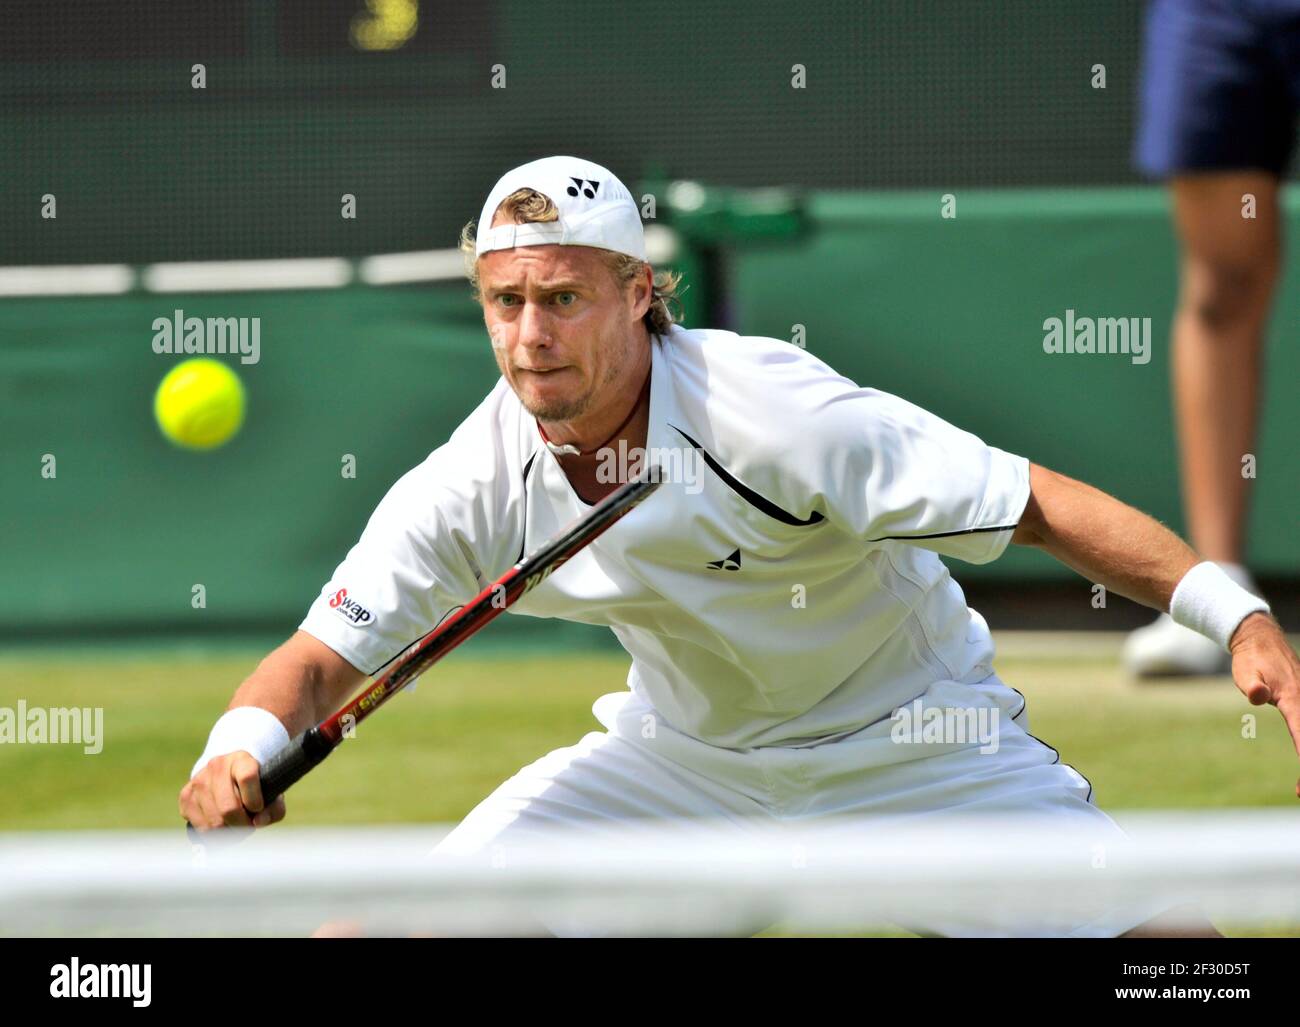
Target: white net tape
{"points": [[1003, 876]]}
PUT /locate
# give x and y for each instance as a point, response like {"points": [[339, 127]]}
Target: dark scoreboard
{"points": [[321, 28], [122, 29], [40, 30]]}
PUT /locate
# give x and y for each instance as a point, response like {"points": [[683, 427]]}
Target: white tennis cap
{"points": [[596, 209]]}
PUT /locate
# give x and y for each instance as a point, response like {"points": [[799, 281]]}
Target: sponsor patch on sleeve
{"points": [[349, 609]]}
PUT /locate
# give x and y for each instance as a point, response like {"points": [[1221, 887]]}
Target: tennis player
{"points": [[782, 597]]}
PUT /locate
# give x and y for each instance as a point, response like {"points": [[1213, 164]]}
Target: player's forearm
{"points": [[302, 682], [1105, 540], [282, 686]]}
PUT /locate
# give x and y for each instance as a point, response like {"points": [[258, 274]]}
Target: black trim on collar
{"points": [[746, 493], [527, 467]]}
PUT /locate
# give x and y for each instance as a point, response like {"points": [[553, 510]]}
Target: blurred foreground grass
{"points": [[478, 717]]}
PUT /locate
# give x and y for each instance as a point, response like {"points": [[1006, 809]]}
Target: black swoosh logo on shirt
{"points": [[746, 493]]}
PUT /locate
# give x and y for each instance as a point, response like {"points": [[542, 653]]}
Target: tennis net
{"points": [[654, 878]]}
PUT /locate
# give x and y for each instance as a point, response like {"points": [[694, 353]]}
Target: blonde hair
{"points": [[528, 205]]}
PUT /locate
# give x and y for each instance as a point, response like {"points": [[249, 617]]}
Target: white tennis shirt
{"points": [[789, 593]]}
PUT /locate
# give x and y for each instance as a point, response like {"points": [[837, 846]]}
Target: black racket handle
{"points": [[292, 763], [284, 769]]}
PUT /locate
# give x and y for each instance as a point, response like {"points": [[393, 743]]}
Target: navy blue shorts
{"points": [[1220, 86]]}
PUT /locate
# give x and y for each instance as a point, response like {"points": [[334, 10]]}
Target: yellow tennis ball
{"points": [[199, 404]]}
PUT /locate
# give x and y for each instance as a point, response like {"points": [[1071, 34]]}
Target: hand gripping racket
{"points": [[311, 747]]}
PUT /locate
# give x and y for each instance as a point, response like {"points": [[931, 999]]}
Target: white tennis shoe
{"points": [[1166, 649]]}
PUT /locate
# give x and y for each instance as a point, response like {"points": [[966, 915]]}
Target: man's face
{"points": [[562, 329]]}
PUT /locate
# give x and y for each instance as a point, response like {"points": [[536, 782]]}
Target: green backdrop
{"points": [[947, 313]]}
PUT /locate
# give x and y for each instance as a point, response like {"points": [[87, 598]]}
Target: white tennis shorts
{"points": [[640, 767]]}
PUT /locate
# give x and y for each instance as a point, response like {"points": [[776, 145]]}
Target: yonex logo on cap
{"points": [[586, 186], [595, 209]]}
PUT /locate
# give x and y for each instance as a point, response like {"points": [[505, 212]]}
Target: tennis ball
{"points": [[199, 404]]}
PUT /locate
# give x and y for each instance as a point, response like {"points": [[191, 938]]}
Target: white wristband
{"points": [[247, 728], [1209, 601]]}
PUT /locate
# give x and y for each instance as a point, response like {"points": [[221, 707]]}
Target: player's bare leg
{"points": [[1229, 267], [1229, 270]]}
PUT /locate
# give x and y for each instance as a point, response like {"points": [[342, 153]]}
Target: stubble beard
{"points": [[570, 409], [559, 410]]}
